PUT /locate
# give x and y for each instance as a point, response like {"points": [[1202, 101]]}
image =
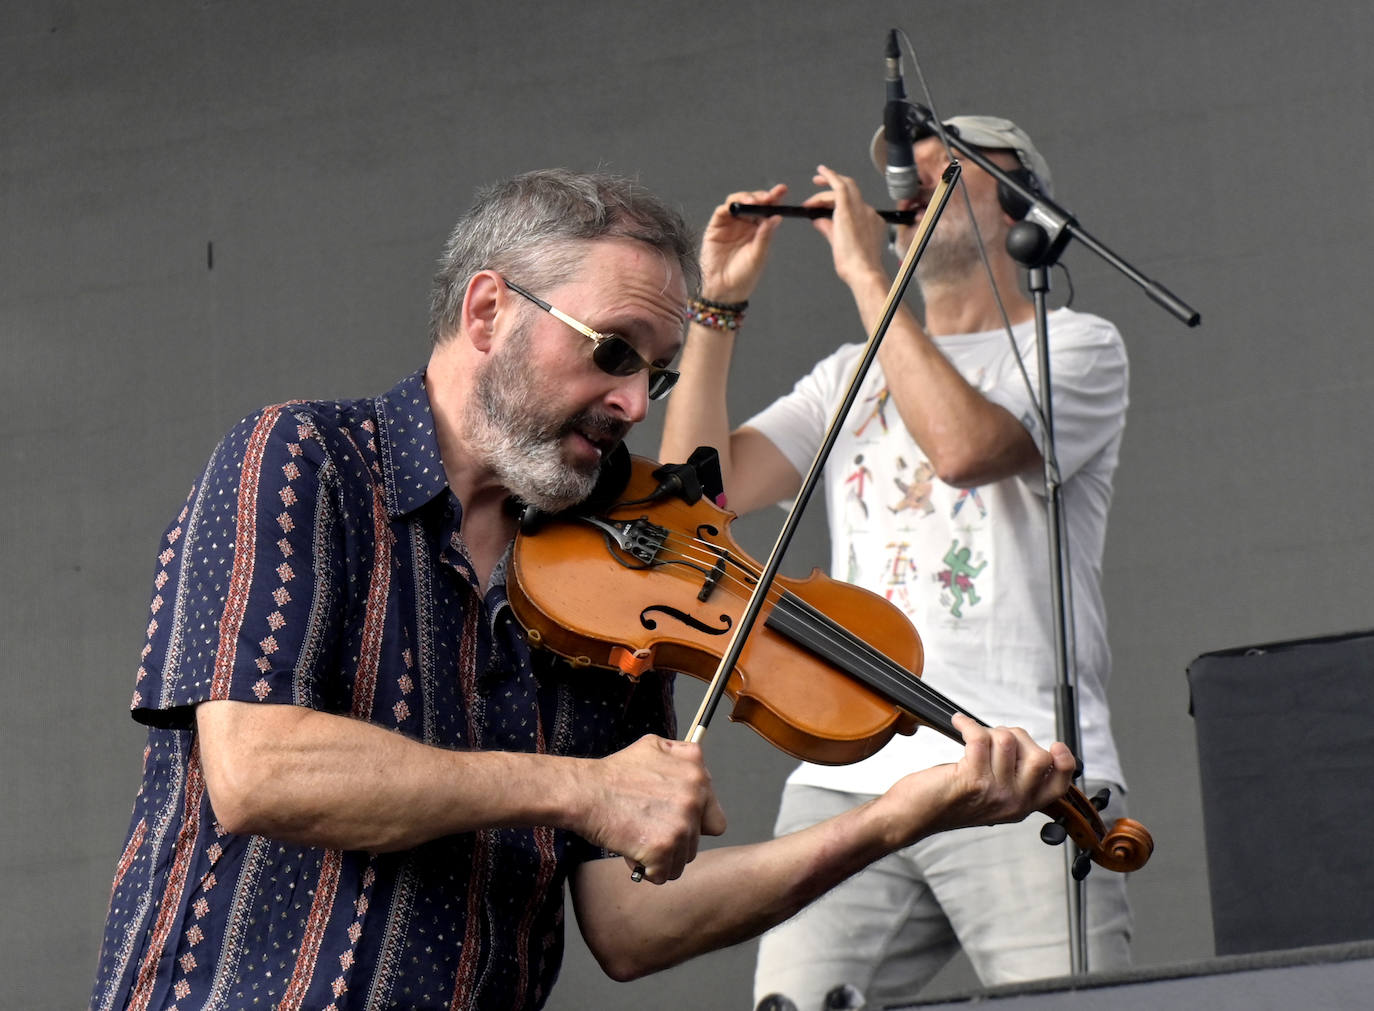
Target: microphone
{"points": [[903, 182]]}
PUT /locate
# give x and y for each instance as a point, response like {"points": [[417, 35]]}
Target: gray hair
{"points": [[534, 227]]}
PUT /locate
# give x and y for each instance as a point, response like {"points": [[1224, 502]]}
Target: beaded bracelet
{"points": [[716, 315]]}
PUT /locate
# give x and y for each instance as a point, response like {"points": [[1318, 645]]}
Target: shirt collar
{"points": [[412, 470]]}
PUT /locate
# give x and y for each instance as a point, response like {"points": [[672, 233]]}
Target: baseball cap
{"points": [[987, 132]]}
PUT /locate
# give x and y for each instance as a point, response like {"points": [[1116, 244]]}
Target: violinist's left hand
{"points": [[1003, 777]]}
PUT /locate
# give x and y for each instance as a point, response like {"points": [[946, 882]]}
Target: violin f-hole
{"points": [[685, 618]]}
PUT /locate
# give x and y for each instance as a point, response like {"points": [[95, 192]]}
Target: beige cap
{"points": [[987, 132]]}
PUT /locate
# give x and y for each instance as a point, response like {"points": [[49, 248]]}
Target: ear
{"points": [[483, 300]]}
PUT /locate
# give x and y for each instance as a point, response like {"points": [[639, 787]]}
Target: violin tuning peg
{"points": [[1082, 864], [1101, 798], [1052, 833]]}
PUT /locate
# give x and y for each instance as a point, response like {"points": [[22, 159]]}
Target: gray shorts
{"points": [[997, 892]]}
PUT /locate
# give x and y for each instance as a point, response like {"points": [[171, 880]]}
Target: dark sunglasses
{"points": [[613, 354]]}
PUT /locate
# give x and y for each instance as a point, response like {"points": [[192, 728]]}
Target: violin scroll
{"points": [[1126, 846]]}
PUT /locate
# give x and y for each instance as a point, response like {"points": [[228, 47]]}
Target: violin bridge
{"points": [[712, 579]]}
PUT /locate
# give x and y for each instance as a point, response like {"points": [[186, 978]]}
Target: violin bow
{"points": [[715, 690]]}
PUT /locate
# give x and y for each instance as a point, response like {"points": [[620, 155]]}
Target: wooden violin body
{"points": [[828, 674], [676, 608]]}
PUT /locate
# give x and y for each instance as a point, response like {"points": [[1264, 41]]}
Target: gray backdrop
{"points": [[209, 206]]}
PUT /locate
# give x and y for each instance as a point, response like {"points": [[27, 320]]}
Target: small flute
{"points": [[793, 211]]}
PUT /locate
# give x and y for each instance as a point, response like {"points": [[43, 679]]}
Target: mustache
{"points": [[600, 427]]}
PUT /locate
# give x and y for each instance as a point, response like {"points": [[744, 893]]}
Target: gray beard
{"points": [[520, 439]]}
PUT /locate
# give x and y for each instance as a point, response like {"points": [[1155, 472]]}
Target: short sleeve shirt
{"points": [[970, 566], [318, 562]]}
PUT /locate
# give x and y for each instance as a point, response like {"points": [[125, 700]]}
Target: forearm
{"points": [[697, 412], [733, 253], [729, 894], [300, 775], [968, 439]]}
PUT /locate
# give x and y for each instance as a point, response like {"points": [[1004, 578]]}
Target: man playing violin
{"points": [[361, 787], [952, 528]]}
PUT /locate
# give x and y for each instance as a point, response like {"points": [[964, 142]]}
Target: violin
{"points": [[829, 673]]}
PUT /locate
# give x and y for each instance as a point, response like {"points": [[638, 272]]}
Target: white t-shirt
{"points": [[970, 567]]}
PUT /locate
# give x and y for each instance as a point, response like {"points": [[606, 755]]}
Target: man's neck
{"points": [[486, 526], [970, 306]]}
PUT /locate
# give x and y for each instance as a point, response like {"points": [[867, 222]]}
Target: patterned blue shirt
{"points": [[318, 562]]}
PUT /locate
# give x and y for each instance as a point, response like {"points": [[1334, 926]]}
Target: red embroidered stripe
{"points": [[548, 863], [467, 674], [374, 621], [241, 578], [470, 958], [126, 858], [309, 953], [176, 883]]}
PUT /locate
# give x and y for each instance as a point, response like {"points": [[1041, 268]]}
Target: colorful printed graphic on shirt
{"points": [[878, 411], [966, 495], [856, 484], [916, 492], [957, 589], [900, 572]]}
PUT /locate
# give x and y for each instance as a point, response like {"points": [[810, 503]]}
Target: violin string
{"points": [[1078, 815], [842, 643], [1081, 818], [879, 665], [850, 651]]}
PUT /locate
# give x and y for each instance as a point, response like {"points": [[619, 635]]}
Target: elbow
{"points": [[233, 818], [234, 793], [626, 954], [620, 972], [961, 470], [972, 467], [956, 477], [624, 966], [242, 774], [247, 798]]}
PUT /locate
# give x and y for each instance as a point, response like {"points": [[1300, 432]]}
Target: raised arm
{"points": [[733, 253], [968, 439]]}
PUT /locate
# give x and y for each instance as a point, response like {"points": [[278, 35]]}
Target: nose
{"points": [[628, 397]]}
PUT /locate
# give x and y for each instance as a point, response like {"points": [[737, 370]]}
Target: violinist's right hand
{"points": [[650, 803], [735, 249]]}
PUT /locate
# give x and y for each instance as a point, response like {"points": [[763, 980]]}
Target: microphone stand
{"points": [[1037, 242]]}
